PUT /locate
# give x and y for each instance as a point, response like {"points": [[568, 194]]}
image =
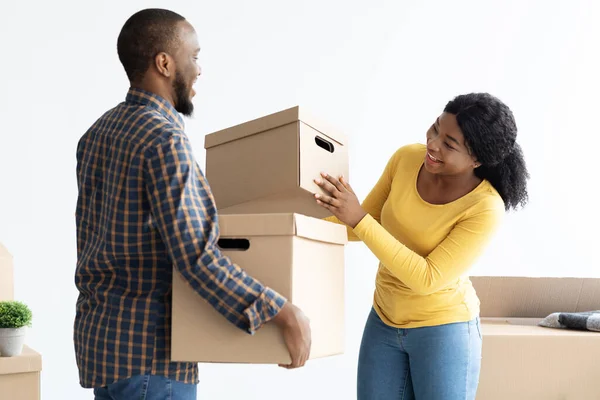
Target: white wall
{"points": [[381, 72]]}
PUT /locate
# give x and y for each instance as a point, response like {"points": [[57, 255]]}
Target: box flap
{"points": [[529, 297], [271, 121], [323, 231], [6, 274], [298, 201], [245, 225], [284, 224], [28, 361], [506, 328]]}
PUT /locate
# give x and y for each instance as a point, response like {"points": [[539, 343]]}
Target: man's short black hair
{"points": [[144, 35]]}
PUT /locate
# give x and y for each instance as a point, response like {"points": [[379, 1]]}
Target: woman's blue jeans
{"points": [[430, 363]]}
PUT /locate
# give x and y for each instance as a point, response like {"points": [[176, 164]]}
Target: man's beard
{"points": [[183, 103]]}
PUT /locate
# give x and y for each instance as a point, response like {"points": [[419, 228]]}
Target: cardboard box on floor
{"points": [[6, 274], [268, 165], [524, 361], [20, 375], [298, 256]]}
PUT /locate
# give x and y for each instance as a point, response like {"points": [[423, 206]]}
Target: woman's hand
{"points": [[342, 202]]}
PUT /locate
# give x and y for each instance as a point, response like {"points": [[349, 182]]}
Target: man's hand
{"points": [[342, 202], [295, 328]]}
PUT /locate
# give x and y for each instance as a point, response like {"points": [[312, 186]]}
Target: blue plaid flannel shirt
{"points": [[143, 207]]}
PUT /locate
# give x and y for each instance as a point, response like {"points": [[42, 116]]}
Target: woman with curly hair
{"points": [[427, 219]]}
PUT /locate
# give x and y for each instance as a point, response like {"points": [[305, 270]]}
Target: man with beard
{"points": [[145, 207]]}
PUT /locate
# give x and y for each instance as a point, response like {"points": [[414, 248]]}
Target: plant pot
{"points": [[11, 341]]}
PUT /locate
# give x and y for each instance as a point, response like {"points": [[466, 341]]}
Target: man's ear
{"points": [[164, 64]]}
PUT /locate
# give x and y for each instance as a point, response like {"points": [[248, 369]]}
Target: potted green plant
{"points": [[15, 317]]}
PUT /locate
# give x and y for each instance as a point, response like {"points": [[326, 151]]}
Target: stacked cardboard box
{"points": [[522, 360], [20, 375], [268, 165], [261, 174]]}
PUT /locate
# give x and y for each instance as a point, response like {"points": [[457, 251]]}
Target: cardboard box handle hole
{"points": [[324, 144], [233, 244]]}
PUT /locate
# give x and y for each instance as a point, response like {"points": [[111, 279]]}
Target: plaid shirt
{"points": [[144, 208]]}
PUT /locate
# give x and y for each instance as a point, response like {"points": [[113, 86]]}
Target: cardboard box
{"points": [[300, 257], [20, 376], [268, 165], [522, 360], [6, 274]]}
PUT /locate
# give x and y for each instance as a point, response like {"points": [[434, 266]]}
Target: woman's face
{"points": [[447, 152]]}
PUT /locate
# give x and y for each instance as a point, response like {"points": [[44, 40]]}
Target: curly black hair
{"points": [[145, 34], [490, 132]]}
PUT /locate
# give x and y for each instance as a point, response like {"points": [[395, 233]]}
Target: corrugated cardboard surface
{"points": [[314, 159], [268, 164], [20, 376], [300, 257], [522, 360], [535, 297], [284, 224], [6, 274], [272, 121], [535, 363], [258, 166], [296, 200]]}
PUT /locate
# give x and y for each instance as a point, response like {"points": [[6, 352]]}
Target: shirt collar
{"points": [[143, 97]]}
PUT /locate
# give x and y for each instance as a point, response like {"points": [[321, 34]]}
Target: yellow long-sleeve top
{"points": [[425, 250]]}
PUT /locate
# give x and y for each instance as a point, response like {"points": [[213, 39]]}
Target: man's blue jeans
{"points": [[430, 363], [147, 387]]}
